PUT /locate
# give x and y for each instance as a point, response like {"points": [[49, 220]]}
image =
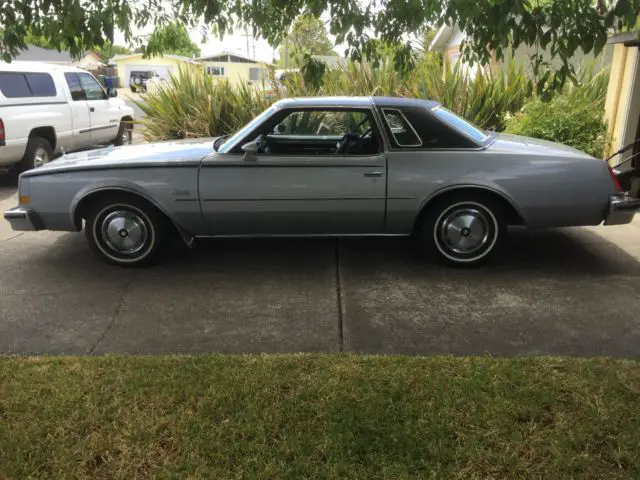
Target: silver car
{"points": [[332, 166]]}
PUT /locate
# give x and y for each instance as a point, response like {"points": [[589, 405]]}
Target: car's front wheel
{"points": [[125, 134], [463, 230], [125, 230], [37, 154]]}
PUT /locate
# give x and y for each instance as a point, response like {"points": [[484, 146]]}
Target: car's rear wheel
{"points": [[463, 230], [37, 154], [125, 230]]}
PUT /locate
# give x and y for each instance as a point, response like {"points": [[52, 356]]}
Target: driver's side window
{"points": [[93, 90], [323, 132], [323, 123]]}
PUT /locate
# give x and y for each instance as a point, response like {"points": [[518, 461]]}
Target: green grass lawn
{"points": [[318, 416]]}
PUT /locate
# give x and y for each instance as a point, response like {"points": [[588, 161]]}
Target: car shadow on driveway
{"points": [[8, 185], [565, 292]]}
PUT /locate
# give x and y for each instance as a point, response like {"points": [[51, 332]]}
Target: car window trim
{"points": [[385, 109]]}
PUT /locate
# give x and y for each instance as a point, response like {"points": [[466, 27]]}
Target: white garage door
{"points": [[162, 70]]}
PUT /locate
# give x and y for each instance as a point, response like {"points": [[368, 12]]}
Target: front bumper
{"points": [[622, 208], [22, 220]]}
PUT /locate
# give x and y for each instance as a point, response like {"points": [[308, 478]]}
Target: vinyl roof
{"points": [[354, 102]]}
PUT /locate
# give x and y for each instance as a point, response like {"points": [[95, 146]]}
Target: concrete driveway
{"points": [[573, 292]]}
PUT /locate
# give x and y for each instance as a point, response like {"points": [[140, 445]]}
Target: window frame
{"points": [[390, 131], [259, 70], [210, 70]]}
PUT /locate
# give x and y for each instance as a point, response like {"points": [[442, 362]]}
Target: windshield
{"points": [[240, 134], [461, 124]]}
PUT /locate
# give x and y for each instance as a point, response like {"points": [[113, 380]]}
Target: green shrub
{"points": [[193, 105], [484, 99], [572, 119]]}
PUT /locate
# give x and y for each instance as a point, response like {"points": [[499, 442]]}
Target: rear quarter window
{"points": [[26, 85]]}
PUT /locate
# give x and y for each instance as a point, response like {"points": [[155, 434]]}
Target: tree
{"points": [[562, 26], [307, 36], [171, 38], [107, 50]]}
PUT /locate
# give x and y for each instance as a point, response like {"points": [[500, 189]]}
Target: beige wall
{"points": [[237, 72], [622, 108], [159, 60]]}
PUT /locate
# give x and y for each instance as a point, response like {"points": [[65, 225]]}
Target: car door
{"points": [[301, 186], [81, 122], [104, 123]]}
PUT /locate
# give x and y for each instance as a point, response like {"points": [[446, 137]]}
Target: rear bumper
{"points": [[22, 220], [621, 209]]}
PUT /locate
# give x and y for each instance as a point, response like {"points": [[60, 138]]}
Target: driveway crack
{"points": [[114, 317], [339, 296], [11, 238]]}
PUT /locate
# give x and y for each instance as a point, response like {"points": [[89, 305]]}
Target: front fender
{"points": [[123, 186]]}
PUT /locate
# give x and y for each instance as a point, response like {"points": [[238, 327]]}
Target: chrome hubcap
{"points": [[465, 231], [40, 157], [124, 232]]}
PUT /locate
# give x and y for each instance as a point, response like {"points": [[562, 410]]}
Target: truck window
{"points": [[18, 84], [77, 94], [41, 84], [92, 89], [14, 85]]}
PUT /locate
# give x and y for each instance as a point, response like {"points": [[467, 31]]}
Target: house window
{"points": [[215, 71], [255, 74]]}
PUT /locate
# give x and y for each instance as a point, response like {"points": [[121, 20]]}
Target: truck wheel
{"points": [[463, 230], [125, 134], [125, 230], [38, 153]]}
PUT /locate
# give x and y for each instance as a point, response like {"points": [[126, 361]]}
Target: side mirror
{"points": [[250, 150], [112, 92]]}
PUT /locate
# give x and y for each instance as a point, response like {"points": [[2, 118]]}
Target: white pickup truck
{"points": [[46, 109]]}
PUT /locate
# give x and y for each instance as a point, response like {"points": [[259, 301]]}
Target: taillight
{"points": [[616, 182], [2, 137]]}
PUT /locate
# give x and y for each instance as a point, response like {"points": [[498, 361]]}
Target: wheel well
{"points": [[129, 121], [513, 217], [48, 133], [82, 209]]}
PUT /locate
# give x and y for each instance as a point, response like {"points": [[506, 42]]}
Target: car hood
{"points": [[145, 155], [535, 146]]}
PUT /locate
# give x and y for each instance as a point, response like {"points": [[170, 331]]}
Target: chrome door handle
{"points": [[373, 174]]}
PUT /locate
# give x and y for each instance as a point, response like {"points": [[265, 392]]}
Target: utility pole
{"points": [[246, 34]]}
